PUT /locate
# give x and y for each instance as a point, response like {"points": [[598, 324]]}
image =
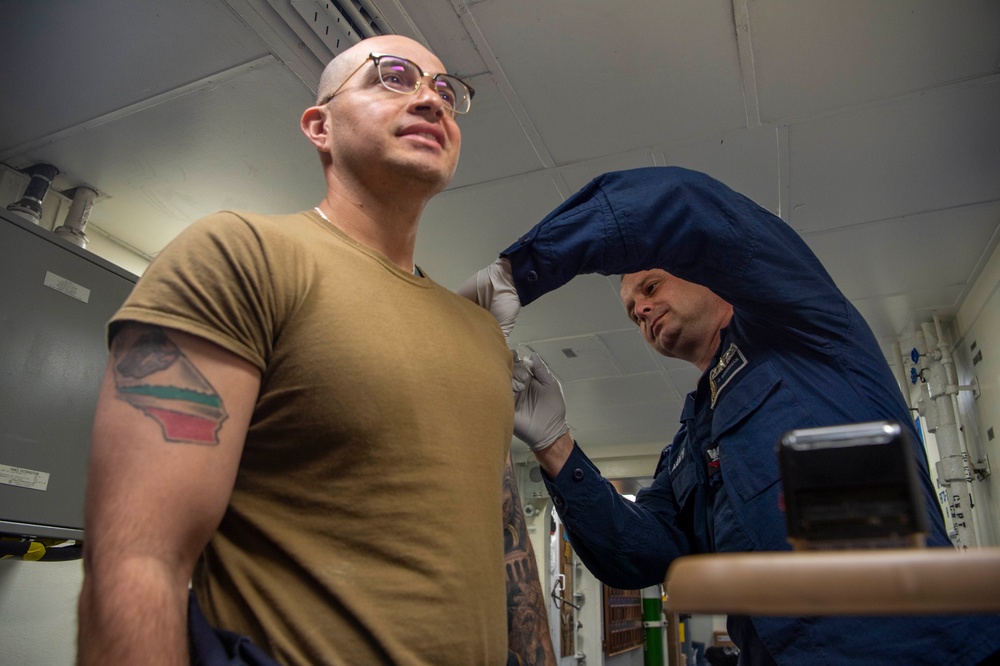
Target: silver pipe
{"points": [[73, 226], [898, 370]]}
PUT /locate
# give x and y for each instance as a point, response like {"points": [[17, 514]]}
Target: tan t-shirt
{"points": [[365, 523]]}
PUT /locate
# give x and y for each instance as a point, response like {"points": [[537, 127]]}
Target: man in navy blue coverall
{"points": [[714, 279]]}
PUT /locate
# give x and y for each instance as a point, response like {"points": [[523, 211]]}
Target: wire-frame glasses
{"points": [[405, 76]]}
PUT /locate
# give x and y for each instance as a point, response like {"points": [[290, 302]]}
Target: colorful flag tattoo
{"points": [[155, 377]]}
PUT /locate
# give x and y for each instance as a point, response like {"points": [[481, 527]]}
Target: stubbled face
{"points": [[677, 318], [378, 135]]}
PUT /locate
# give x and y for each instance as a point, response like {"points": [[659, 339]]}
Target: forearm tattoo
{"points": [[528, 636], [153, 375]]}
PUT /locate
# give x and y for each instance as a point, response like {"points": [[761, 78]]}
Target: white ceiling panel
{"points": [[600, 78], [442, 29], [465, 229], [929, 152], [232, 146], [586, 304], [95, 57], [578, 174], [745, 160], [653, 423], [891, 317], [816, 56], [629, 350], [493, 143], [604, 392], [885, 258], [583, 357]]}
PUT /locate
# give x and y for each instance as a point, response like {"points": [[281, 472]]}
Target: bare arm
{"points": [[171, 420], [528, 636]]}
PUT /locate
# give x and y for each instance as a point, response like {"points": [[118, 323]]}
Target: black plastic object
{"points": [[851, 486]]}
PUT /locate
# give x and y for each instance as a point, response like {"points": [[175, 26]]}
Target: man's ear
{"points": [[313, 124]]}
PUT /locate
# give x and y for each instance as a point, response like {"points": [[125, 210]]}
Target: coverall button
{"points": [[578, 474], [558, 501], [532, 276]]}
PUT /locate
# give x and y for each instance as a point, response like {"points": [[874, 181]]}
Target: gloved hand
{"points": [[493, 288], [539, 406]]}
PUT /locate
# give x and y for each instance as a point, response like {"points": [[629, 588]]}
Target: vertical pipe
{"points": [[898, 366], [953, 458], [652, 621], [72, 228], [948, 361], [30, 203]]}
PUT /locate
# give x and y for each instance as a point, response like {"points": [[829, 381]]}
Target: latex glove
{"points": [[521, 375], [493, 288], [539, 405]]}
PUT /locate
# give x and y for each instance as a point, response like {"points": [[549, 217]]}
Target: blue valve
{"points": [[914, 355], [913, 375]]}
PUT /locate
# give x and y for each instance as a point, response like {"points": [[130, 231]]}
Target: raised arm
{"points": [[691, 226], [169, 430]]}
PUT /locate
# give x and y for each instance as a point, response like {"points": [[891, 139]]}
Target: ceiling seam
{"points": [[893, 218], [118, 241], [271, 28], [404, 15], [744, 47], [940, 88], [209, 81], [784, 174], [506, 89]]}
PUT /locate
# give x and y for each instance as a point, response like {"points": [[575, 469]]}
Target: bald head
{"points": [[348, 61]]}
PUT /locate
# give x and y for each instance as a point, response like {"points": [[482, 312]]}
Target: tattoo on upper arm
{"points": [[153, 375]]}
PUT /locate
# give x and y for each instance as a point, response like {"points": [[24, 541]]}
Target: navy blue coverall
{"points": [[796, 354]]}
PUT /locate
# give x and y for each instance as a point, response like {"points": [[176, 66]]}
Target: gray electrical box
{"points": [[55, 301]]}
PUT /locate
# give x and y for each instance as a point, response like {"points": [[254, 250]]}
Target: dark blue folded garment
{"points": [[218, 647]]}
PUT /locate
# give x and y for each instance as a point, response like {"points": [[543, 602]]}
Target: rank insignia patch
{"points": [[730, 364]]}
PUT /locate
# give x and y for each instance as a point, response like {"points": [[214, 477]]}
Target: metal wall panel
{"points": [[55, 300]]}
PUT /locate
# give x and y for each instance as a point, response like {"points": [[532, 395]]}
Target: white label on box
{"points": [[24, 478], [68, 287]]}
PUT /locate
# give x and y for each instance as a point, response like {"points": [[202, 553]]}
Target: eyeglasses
{"points": [[405, 76]]}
